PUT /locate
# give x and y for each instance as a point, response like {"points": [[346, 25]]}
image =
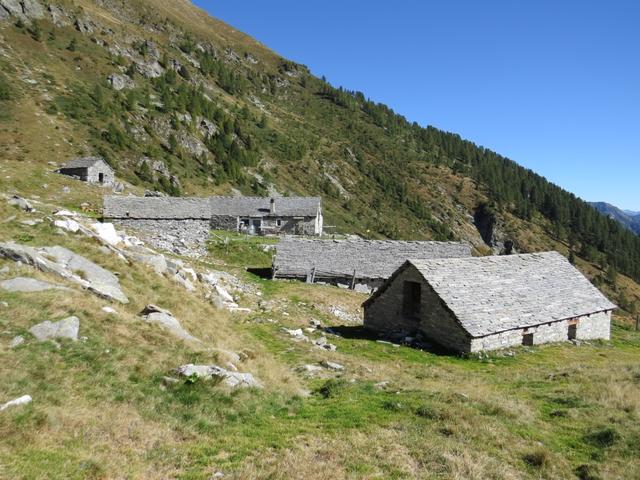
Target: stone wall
{"points": [[224, 222], [93, 174], [384, 315], [589, 327], [185, 237]]}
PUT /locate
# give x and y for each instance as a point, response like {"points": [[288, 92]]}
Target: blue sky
{"points": [[554, 85]]}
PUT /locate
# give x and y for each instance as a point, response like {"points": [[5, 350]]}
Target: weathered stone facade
{"points": [[89, 169], [183, 236], [488, 303]]}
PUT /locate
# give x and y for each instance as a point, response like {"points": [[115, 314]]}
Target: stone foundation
{"points": [[184, 237]]}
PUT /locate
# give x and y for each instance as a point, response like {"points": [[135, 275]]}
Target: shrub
{"points": [[603, 437], [331, 388], [5, 89], [587, 472], [537, 458]]}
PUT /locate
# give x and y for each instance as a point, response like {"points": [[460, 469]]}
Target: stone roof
{"points": [[260, 206], [494, 294], [204, 208], [156, 207], [84, 162], [374, 259]]}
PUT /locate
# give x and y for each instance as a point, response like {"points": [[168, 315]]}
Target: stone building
{"points": [[359, 264], [264, 215], [488, 303], [89, 169], [171, 221]]}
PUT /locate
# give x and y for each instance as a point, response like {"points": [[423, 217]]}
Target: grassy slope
{"points": [[99, 411]]}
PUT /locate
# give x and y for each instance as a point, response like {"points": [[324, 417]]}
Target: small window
{"points": [[411, 299], [278, 223], [572, 333], [101, 177], [527, 339]]}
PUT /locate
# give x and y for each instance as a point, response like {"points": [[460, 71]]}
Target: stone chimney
{"points": [[272, 207]]}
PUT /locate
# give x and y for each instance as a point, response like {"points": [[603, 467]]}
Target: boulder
{"points": [[67, 224], [120, 81], [21, 203], [165, 319], [16, 341], [67, 328], [297, 334], [107, 233], [179, 279], [109, 310], [23, 400], [26, 284], [150, 69], [118, 187], [214, 372], [66, 263], [331, 365], [144, 255]]}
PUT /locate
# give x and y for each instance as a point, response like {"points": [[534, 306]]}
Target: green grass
{"points": [[241, 250]]}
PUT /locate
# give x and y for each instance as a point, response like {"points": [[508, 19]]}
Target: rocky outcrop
{"points": [[58, 16], [68, 265], [23, 9], [120, 81], [26, 284], [214, 372], [64, 329]]}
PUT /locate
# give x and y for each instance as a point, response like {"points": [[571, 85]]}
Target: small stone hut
{"points": [[89, 169], [359, 264], [488, 303]]}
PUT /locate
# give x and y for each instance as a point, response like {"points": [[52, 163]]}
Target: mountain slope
{"points": [[630, 220]]}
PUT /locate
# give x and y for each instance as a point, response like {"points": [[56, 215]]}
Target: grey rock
{"points": [[17, 341], [211, 372], [101, 281], [309, 368], [66, 328], [331, 365], [66, 263], [150, 69], [118, 187], [23, 400], [165, 319], [21, 203], [32, 9], [26, 284], [58, 16], [85, 25], [157, 262], [120, 81], [184, 282], [11, 7]]}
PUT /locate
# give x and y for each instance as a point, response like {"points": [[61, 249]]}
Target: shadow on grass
{"points": [[264, 273], [360, 332]]}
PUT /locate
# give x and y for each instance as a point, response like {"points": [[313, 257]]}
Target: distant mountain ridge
{"points": [[628, 218]]}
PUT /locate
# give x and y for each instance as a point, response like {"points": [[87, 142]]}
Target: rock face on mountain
{"points": [[630, 220]]}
